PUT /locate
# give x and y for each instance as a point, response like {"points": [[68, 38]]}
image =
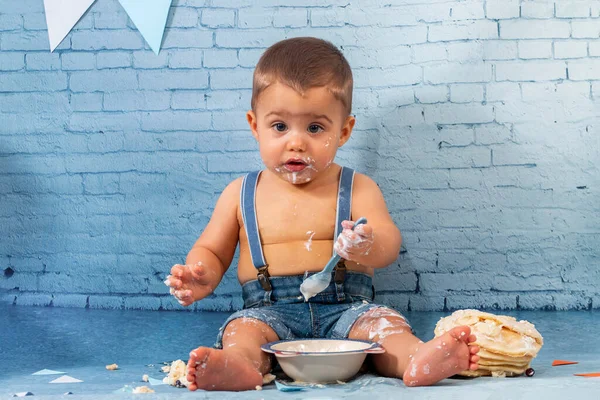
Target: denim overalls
{"points": [[277, 301]]}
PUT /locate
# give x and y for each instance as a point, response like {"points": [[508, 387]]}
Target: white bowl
{"points": [[321, 360]]}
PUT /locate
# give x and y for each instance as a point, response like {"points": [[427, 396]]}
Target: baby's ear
{"points": [[252, 121], [347, 129]]}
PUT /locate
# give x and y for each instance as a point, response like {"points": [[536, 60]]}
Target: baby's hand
{"points": [[190, 283], [355, 243]]}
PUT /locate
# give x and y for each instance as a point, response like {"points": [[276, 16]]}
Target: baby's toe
{"points": [[460, 333]]}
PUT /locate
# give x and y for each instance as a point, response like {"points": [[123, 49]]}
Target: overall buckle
{"points": [[263, 278], [340, 272]]}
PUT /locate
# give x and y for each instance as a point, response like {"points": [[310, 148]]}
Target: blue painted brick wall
{"points": [[479, 120]]}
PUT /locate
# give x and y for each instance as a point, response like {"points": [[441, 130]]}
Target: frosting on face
{"points": [[299, 133]]}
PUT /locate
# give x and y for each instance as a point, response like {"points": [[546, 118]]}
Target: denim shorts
{"points": [[329, 314]]}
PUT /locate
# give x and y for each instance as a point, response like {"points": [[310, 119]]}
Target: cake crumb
{"points": [[112, 367], [258, 387], [268, 378], [145, 378], [142, 389], [177, 374]]}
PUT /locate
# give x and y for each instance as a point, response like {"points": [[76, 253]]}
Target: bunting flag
{"points": [[150, 18], [66, 379], [62, 16]]}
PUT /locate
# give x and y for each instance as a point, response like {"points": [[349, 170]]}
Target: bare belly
{"points": [[292, 258]]}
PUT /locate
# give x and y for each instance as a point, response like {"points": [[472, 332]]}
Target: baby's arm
{"points": [[377, 243], [211, 255]]}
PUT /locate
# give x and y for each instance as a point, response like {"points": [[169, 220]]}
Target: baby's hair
{"points": [[304, 63]]}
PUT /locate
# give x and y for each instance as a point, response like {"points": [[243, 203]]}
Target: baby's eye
{"points": [[280, 127], [314, 128]]}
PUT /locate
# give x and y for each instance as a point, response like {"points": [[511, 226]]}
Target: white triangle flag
{"points": [[62, 16], [47, 372], [66, 379], [150, 18]]}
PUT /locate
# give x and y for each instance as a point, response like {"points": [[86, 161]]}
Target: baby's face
{"points": [[299, 135]]}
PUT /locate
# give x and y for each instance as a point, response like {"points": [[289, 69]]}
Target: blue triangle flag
{"points": [[150, 18]]}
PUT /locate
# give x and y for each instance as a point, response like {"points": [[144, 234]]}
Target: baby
{"points": [[288, 220]]}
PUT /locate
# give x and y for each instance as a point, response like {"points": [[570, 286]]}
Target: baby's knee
{"points": [[379, 323], [246, 326]]}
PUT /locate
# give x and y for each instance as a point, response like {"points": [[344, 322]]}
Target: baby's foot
{"points": [[212, 369], [442, 357]]}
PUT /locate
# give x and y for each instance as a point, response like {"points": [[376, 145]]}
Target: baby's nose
{"points": [[296, 141]]}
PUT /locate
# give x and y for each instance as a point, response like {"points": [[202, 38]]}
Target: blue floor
{"points": [[81, 342]]}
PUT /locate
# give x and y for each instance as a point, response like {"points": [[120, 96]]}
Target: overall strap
{"points": [[248, 208], [344, 200], [344, 208]]}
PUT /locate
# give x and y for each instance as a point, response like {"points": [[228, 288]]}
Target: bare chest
{"points": [[296, 217]]}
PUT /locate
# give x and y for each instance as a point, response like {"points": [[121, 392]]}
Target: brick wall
{"points": [[479, 120]]}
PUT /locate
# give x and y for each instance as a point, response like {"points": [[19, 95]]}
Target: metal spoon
{"points": [[318, 282]]}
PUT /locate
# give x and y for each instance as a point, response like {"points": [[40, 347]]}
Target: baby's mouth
{"points": [[295, 165]]}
